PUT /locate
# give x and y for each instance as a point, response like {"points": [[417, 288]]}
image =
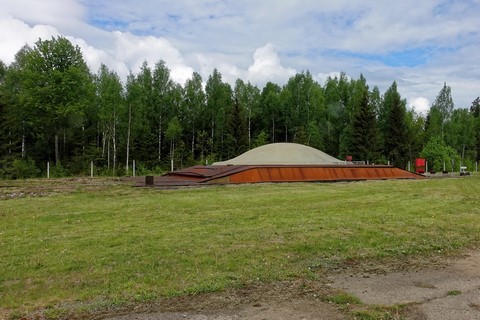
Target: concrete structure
{"points": [[282, 154]]}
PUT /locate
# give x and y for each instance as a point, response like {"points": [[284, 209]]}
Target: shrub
{"points": [[437, 153], [22, 169]]}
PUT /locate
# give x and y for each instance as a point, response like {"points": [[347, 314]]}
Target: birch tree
{"points": [[110, 99], [248, 96], [194, 107], [56, 83], [162, 85]]}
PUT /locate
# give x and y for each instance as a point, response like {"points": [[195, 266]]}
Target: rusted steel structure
{"points": [[208, 175], [328, 169]]}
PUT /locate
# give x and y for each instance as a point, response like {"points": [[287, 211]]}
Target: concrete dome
{"points": [[282, 154]]}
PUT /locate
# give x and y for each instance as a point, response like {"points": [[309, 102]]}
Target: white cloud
{"points": [[419, 104], [17, 34], [134, 50], [95, 57], [59, 13], [267, 67]]}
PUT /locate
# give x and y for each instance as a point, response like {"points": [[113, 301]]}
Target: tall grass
{"points": [[104, 242]]}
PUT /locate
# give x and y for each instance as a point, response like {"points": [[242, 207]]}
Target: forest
{"points": [[54, 109]]}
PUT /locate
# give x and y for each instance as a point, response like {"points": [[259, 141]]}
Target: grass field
{"points": [[97, 243]]}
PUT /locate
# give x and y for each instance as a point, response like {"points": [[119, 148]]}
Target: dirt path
{"points": [[291, 310], [448, 291], [296, 300], [451, 292]]}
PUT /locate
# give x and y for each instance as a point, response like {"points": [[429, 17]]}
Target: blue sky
{"points": [[418, 44]]}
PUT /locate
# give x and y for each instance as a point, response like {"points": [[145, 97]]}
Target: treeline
{"points": [[54, 109]]}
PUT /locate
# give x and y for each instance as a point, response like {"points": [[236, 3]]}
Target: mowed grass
{"points": [[103, 243]]}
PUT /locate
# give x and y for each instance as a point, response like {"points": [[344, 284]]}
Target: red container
{"points": [[420, 165], [348, 158]]}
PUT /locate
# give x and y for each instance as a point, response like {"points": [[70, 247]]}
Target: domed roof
{"points": [[282, 154]]}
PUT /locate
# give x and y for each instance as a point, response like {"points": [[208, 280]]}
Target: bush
{"points": [[21, 169], [437, 153], [58, 171]]}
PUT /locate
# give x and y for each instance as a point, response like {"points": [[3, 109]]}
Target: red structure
{"points": [[420, 164]]}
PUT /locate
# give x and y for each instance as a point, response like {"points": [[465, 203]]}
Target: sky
{"points": [[419, 44]]}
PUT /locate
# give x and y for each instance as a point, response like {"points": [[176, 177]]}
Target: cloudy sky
{"points": [[419, 44]]}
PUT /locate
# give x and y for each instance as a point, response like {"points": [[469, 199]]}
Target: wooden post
{"points": [[91, 169], [133, 168], [149, 180], [48, 169]]}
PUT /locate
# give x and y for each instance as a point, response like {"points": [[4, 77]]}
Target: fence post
{"points": [[133, 168], [91, 169], [48, 169]]}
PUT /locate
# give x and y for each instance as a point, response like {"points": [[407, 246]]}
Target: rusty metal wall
{"points": [[273, 174]]}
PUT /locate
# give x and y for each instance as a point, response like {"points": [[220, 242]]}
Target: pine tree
{"points": [[3, 112], [475, 110], [237, 132], [395, 133], [364, 132]]}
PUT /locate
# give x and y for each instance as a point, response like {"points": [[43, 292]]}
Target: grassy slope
{"points": [[110, 244]]}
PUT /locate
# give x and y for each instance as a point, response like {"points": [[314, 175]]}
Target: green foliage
{"points": [[20, 169], [237, 131], [460, 133], [438, 153], [56, 87], [444, 104], [454, 293], [248, 96], [343, 298], [194, 107], [315, 136], [260, 140], [475, 111], [219, 100], [394, 127], [364, 132], [174, 130], [58, 171], [415, 134], [270, 104], [346, 143]]}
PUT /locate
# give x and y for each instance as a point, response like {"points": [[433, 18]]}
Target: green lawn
{"points": [[103, 243]]}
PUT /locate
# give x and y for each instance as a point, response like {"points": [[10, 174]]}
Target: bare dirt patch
{"points": [[12, 189], [286, 300], [450, 291]]}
